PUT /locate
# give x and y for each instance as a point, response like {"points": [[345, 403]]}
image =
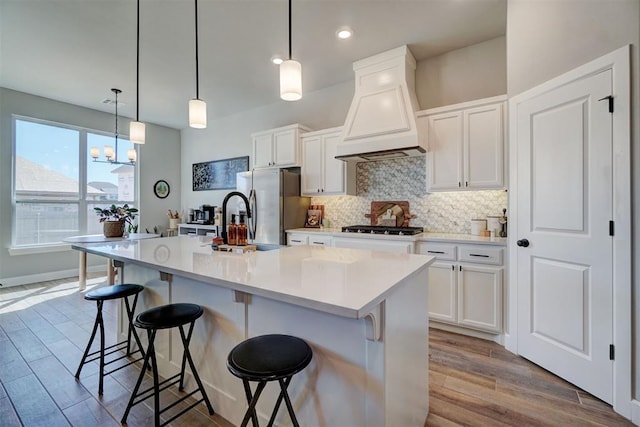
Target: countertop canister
{"points": [[477, 226]]}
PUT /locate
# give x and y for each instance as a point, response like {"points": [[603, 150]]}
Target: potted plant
{"points": [[114, 219]]}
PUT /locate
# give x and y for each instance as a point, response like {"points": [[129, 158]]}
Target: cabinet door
{"points": [[483, 147], [285, 148], [480, 297], [334, 170], [311, 165], [444, 135], [262, 155], [443, 303]]}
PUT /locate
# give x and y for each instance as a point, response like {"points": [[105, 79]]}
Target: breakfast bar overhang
{"points": [[364, 313]]}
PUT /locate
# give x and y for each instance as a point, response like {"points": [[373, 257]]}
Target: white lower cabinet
{"points": [[297, 239], [466, 294]]}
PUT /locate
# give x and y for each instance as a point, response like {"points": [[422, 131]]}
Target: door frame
{"points": [[618, 62]]}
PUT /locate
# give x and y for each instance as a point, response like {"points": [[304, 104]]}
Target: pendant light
{"points": [[197, 107], [290, 74], [137, 129], [110, 152]]}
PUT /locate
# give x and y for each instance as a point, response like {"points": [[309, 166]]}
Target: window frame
{"points": [[81, 202]]}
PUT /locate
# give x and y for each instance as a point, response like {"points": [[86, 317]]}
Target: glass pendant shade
{"points": [[197, 114], [290, 80], [137, 132], [108, 152], [95, 152], [132, 155]]}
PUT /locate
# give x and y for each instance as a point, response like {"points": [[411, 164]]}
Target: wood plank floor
{"points": [[45, 326]]}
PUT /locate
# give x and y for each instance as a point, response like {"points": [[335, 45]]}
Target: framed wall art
{"points": [[218, 174]]}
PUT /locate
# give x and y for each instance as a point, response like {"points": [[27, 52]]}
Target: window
{"points": [[57, 184]]}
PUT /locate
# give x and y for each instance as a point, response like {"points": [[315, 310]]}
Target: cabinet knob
{"points": [[524, 243]]}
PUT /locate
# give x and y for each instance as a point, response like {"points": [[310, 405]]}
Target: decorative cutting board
{"points": [[390, 213]]}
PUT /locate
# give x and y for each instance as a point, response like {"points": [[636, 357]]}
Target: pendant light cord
{"points": [[289, 29], [137, 65], [115, 154], [197, 65]]}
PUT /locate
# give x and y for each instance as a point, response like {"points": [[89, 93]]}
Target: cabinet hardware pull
{"points": [[483, 256], [466, 183], [459, 184], [318, 243], [460, 268], [453, 267], [435, 252], [297, 241]]}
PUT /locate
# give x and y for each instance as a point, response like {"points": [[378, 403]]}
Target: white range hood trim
{"points": [[382, 116]]}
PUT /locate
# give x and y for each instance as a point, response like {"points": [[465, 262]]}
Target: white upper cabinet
{"points": [[466, 145], [278, 147], [322, 174]]}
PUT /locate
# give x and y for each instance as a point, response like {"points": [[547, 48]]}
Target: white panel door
{"points": [[480, 297], [311, 165], [443, 293], [334, 170], [262, 153], [483, 147], [444, 134], [285, 147], [564, 262]]}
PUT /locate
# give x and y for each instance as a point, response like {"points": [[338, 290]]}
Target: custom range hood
{"points": [[381, 122]]}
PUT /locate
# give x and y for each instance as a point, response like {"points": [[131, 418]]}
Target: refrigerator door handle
{"points": [[253, 221]]}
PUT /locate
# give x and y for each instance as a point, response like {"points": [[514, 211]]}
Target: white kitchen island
{"points": [[364, 313]]}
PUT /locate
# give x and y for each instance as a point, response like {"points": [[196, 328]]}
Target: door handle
{"points": [[523, 243]]}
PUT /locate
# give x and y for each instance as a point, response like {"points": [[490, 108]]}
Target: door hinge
{"points": [[611, 228], [612, 352], [610, 98]]}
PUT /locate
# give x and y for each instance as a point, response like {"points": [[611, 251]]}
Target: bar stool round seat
{"points": [[267, 358], [113, 292], [168, 316], [101, 295], [165, 317]]}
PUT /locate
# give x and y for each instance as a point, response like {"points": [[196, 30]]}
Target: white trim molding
{"points": [[43, 277], [618, 62]]}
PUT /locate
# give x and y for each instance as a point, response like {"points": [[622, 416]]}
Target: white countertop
{"points": [[345, 282], [422, 237]]}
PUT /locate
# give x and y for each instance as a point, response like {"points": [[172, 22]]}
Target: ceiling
{"points": [[77, 50]]}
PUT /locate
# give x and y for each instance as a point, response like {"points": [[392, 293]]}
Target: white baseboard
{"points": [[43, 277], [465, 331], [635, 412]]}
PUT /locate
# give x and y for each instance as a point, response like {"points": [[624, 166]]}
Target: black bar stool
{"points": [[100, 295], [268, 358], [166, 317]]}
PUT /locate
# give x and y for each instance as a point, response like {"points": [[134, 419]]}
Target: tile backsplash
{"points": [[405, 179]]}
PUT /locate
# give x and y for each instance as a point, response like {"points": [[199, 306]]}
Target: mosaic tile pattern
{"points": [[405, 179]]}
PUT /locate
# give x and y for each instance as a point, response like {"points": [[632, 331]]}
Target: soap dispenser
{"points": [[233, 231], [242, 232]]}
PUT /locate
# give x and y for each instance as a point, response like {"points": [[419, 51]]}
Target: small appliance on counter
{"points": [[203, 215]]}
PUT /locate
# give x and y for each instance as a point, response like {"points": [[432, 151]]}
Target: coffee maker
{"points": [[208, 213]]}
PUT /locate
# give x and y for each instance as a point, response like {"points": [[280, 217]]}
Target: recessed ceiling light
{"points": [[344, 33], [277, 59]]}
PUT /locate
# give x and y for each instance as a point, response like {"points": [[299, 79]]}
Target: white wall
{"points": [[548, 38], [231, 136], [473, 72], [161, 156]]}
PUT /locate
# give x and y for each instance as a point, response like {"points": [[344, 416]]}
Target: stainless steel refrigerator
{"points": [[275, 203]]}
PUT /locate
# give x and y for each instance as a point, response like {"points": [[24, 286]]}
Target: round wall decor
{"points": [[161, 189]]}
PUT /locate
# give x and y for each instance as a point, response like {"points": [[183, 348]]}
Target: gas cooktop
{"points": [[380, 229]]}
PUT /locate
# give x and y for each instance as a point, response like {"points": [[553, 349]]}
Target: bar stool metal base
{"points": [[100, 295], [164, 317], [268, 358]]}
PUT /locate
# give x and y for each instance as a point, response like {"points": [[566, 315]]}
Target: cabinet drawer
{"points": [[297, 239], [481, 255], [438, 250], [320, 240]]}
